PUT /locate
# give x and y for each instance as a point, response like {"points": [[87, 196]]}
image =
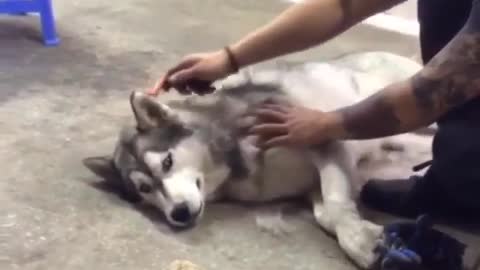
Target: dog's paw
{"points": [[359, 239]]}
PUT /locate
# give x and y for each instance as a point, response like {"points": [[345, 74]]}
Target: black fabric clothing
{"points": [[451, 185], [440, 21]]}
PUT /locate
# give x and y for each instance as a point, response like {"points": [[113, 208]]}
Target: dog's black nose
{"points": [[181, 213]]}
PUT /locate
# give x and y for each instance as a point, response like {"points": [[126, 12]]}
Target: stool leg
{"points": [[18, 13], [50, 37]]}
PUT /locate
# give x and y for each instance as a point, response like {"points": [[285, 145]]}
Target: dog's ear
{"points": [[101, 166], [149, 113]]}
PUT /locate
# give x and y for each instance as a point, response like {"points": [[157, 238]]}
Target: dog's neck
{"points": [[227, 149]]}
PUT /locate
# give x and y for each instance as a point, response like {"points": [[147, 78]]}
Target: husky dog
{"points": [[183, 152]]}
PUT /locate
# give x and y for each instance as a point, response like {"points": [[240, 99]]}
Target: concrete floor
{"points": [[60, 105], [406, 10]]}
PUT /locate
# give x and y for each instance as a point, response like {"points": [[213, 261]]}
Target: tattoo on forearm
{"points": [[451, 78], [430, 94], [371, 118]]}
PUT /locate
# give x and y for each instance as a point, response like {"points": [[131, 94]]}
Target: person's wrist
{"points": [[223, 65], [233, 64], [334, 126]]}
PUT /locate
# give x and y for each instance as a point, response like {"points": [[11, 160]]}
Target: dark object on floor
{"points": [[199, 87]]}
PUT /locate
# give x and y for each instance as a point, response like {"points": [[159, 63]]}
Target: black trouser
{"points": [[451, 186]]}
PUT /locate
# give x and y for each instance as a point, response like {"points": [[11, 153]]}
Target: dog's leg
{"points": [[337, 211], [319, 212]]}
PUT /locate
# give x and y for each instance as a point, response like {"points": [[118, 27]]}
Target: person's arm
{"points": [[304, 25], [299, 27], [450, 79]]}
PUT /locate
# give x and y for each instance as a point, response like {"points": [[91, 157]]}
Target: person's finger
{"points": [[186, 62], [244, 123], [182, 76], [276, 101], [276, 107], [164, 82], [276, 141], [268, 129], [161, 85], [249, 113], [268, 101], [259, 141], [270, 115], [155, 89]]}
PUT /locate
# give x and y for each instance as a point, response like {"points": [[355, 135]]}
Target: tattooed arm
{"points": [[449, 80]]}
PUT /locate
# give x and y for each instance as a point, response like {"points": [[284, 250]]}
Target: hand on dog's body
{"points": [[195, 73], [283, 124], [445, 83], [299, 27]]}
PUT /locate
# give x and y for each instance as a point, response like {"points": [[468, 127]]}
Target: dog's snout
{"points": [[181, 213]]}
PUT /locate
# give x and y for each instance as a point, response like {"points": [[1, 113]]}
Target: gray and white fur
{"points": [[183, 152]]}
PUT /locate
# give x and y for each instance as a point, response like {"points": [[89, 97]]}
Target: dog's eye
{"points": [[145, 188], [167, 162]]}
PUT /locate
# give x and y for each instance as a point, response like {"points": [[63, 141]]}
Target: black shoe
{"points": [[397, 196]]}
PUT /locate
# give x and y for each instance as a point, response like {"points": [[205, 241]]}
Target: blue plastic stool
{"points": [[43, 7]]}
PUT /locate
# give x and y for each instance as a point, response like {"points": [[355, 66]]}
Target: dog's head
{"points": [[161, 161]]}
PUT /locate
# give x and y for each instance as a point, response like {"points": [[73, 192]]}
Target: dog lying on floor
{"points": [[183, 152]]}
